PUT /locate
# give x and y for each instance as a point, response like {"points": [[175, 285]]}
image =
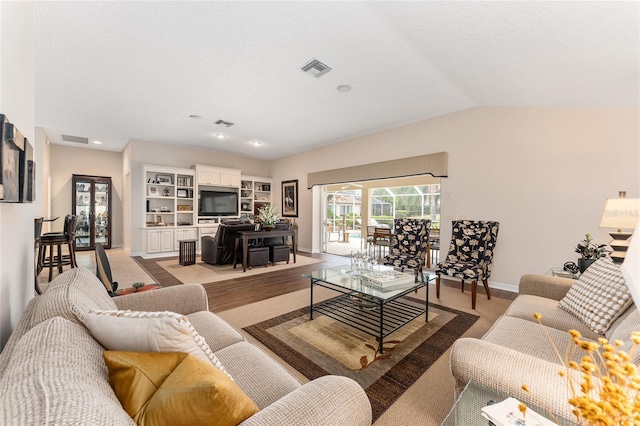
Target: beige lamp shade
{"points": [[620, 213], [631, 266]]}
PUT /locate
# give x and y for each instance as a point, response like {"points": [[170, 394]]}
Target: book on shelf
{"points": [[507, 413]]}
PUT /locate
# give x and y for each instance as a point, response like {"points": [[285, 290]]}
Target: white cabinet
{"points": [[217, 176], [208, 177], [159, 240], [207, 230]]}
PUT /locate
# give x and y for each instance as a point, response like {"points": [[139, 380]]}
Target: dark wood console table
{"points": [[245, 236]]}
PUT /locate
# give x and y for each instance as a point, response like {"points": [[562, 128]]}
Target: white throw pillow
{"points": [[599, 296], [137, 331]]}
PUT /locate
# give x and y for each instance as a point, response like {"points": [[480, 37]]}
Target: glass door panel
{"points": [[101, 213], [82, 210]]}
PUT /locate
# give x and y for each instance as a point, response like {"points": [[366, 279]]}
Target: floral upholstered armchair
{"points": [[470, 255], [409, 244]]}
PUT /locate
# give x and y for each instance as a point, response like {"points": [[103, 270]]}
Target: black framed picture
{"points": [[290, 198], [164, 179]]}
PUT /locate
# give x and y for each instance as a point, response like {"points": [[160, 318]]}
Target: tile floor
{"points": [[124, 269]]}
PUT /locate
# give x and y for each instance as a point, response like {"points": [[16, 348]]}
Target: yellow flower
{"points": [[575, 333], [523, 409], [609, 390]]}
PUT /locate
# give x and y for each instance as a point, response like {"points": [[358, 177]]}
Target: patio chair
{"points": [[409, 245], [381, 239], [470, 255]]}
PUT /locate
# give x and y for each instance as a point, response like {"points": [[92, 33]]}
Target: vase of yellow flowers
{"points": [[609, 393]]}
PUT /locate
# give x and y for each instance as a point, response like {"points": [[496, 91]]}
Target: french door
{"points": [[91, 203]]}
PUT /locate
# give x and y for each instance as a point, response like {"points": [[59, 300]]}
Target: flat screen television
{"points": [[218, 203]]}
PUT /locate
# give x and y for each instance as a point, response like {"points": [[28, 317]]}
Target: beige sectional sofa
{"points": [[516, 350], [52, 370]]}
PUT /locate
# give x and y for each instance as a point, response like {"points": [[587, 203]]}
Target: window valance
{"points": [[430, 164]]}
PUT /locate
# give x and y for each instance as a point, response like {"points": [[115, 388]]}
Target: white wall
{"points": [[543, 173], [67, 161], [141, 152], [17, 103], [42, 157]]}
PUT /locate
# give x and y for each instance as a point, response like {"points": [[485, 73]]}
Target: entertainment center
{"points": [[182, 204]]}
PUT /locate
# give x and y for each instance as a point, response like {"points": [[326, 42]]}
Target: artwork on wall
{"points": [[27, 173], [17, 169], [290, 198]]}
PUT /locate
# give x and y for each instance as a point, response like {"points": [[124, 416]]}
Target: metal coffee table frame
{"points": [[384, 314]]}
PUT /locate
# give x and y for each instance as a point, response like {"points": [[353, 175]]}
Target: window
{"points": [[418, 201]]}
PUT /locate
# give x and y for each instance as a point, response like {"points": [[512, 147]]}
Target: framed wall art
{"points": [[11, 148], [290, 198]]}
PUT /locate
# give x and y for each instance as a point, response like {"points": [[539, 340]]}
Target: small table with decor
{"points": [[131, 290], [467, 410]]}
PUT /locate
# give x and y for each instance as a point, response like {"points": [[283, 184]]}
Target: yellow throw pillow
{"points": [[175, 389]]}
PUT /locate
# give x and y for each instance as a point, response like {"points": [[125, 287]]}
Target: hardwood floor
{"points": [[236, 292], [229, 294]]}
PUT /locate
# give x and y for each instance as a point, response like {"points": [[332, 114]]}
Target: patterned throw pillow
{"points": [[138, 331], [599, 296]]}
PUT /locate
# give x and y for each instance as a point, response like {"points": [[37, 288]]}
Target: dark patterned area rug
{"points": [[324, 346]]}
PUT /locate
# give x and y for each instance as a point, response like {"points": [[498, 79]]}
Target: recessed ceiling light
{"points": [[344, 88], [195, 116], [256, 143], [97, 142], [220, 136]]}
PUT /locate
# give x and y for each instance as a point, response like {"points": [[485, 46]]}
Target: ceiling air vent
{"points": [[75, 139], [225, 123], [316, 68]]}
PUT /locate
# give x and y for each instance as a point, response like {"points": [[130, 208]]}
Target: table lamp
{"points": [[631, 266], [620, 213]]}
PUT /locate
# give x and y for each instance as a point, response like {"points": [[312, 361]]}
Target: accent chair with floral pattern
{"points": [[470, 255], [409, 244]]}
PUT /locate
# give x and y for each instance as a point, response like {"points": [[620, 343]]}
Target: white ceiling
{"points": [[114, 71]]}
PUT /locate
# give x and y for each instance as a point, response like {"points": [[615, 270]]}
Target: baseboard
{"points": [[506, 287], [492, 284], [159, 255]]}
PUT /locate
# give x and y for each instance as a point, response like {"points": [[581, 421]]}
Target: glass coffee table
{"points": [[364, 305], [467, 409]]}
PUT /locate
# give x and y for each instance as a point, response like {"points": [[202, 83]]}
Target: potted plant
{"points": [[589, 252], [268, 216]]}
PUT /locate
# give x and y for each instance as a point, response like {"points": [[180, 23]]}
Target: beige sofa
{"points": [[516, 350], [52, 370]]}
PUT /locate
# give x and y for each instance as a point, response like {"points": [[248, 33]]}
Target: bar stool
{"points": [[36, 251], [52, 240]]}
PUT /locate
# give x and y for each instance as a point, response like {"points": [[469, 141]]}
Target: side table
{"points": [[475, 396], [559, 272], [132, 290], [187, 252]]}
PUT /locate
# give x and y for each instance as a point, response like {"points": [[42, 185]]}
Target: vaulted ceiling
{"points": [[115, 71]]}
